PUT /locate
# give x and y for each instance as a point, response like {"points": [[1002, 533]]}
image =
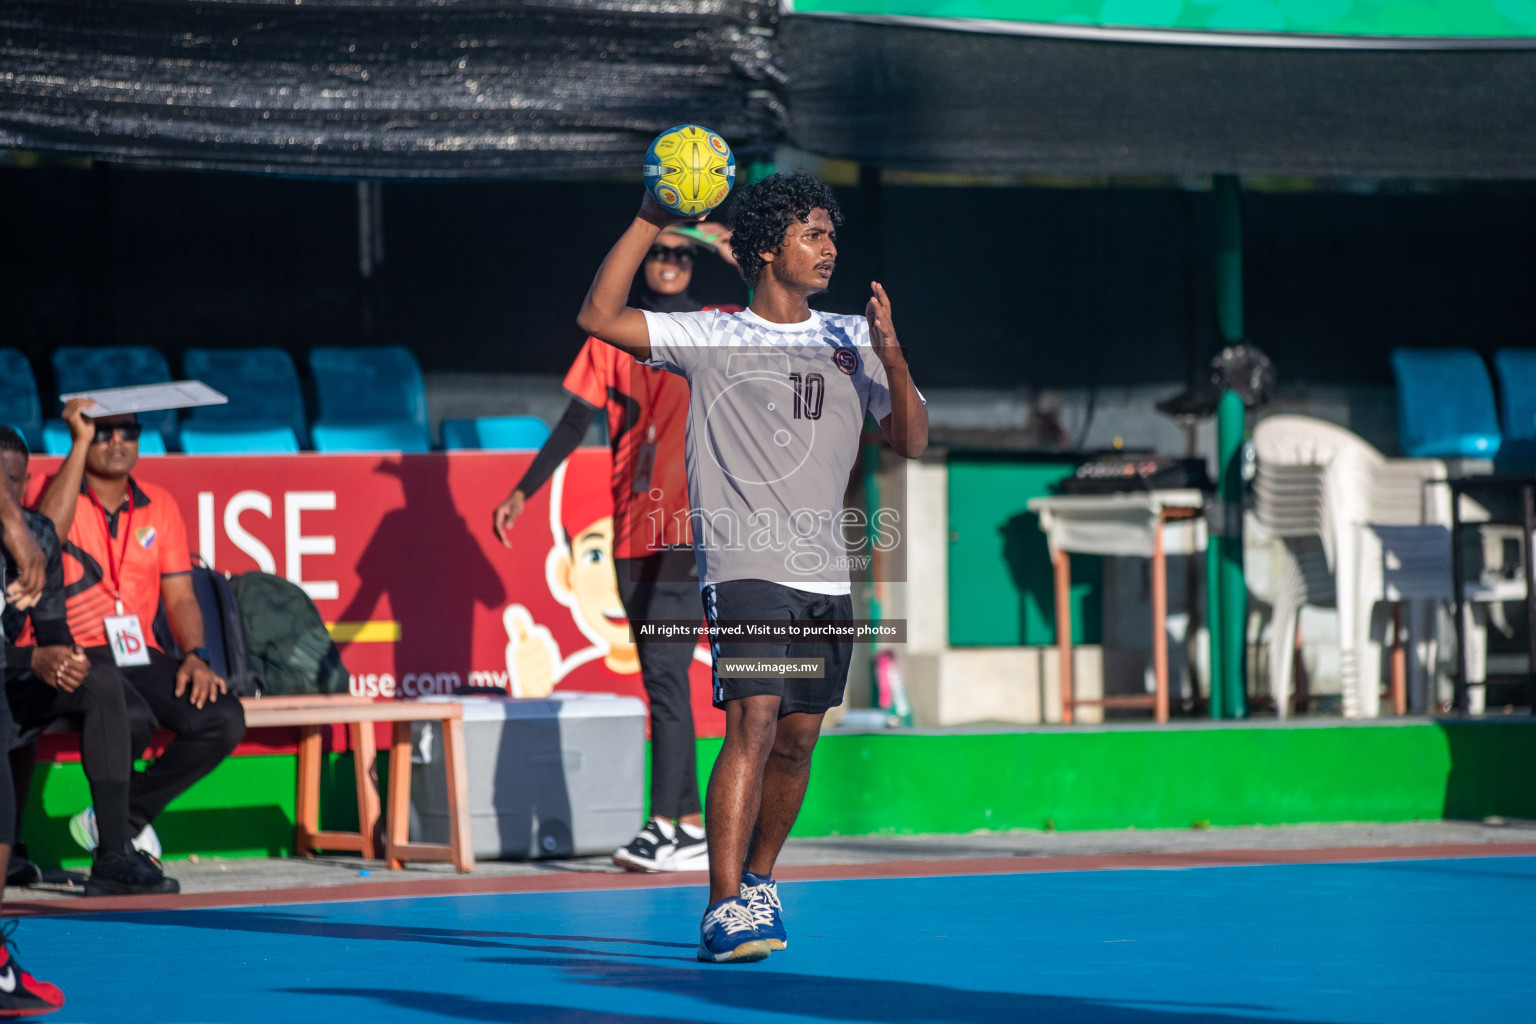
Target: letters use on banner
{"points": [[397, 553]]}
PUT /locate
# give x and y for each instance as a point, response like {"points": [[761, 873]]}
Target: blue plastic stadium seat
{"points": [[1445, 404], [500, 432], [56, 440], [19, 405], [265, 412], [238, 438], [116, 366], [1517, 405], [383, 436], [371, 399]]}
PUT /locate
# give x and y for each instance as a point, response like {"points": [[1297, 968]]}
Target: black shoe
{"points": [[22, 995], [22, 871], [646, 851], [128, 872], [687, 853]]}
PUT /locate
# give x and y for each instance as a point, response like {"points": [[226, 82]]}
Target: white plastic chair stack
{"points": [[1359, 530]]}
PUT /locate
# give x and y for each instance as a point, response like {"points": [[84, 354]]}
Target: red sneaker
{"points": [[22, 995]]}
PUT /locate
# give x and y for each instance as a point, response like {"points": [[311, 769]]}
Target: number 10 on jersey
{"points": [[810, 388]]}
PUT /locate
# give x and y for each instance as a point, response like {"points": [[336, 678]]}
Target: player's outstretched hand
{"points": [[505, 515], [882, 332]]}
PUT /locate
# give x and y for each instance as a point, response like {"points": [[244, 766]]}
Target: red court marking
{"points": [[569, 881]]}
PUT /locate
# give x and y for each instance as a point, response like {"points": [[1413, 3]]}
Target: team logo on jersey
{"points": [[145, 535], [847, 361]]}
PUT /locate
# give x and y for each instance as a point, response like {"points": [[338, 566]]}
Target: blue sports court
{"points": [[1391, 941]]}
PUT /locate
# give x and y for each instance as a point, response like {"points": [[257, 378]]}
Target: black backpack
{"points": [[290, 649], [223, 631]]}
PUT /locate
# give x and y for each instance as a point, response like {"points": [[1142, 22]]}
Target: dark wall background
{"points": [[993, 286]]}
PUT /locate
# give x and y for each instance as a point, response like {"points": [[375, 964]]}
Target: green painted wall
{"points": [[244, 808], [1001, 587], [906, 783]]}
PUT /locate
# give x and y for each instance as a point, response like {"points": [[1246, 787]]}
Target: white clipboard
{"points": [[176, 394]]}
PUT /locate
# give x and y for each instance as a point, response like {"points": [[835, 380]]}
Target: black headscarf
{"points": [[641, 296]]}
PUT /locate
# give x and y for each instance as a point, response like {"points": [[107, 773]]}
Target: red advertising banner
{"points": [[398, 554]]}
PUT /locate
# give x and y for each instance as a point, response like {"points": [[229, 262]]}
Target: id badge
{"points": [[645, 461], [126, 638]]}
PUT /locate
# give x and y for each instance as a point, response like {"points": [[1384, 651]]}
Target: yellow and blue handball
{"points": [[689, 169]]}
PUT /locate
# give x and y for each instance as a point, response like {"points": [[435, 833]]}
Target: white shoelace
{"points": [[733, 917], [762, 900]]}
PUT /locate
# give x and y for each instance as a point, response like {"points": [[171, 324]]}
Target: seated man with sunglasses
{"points": [[125, 552], [47, 676]]}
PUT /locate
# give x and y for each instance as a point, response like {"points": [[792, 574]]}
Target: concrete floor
{"points": [[211, 874]]}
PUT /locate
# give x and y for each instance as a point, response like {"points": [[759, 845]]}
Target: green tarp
{"points": [[1367, 20]]}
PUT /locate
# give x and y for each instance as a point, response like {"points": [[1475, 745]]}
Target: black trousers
{"points": [[665, 586], [8, 731], [204, 736], [99, 708]]}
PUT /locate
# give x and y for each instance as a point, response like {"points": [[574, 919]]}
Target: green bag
{"points": [[291, 651]]}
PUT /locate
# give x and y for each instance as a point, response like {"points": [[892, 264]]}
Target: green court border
{"points": [[957, 782]]}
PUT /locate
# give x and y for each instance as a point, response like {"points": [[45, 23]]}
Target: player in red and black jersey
{"points": [[23, 578], [647, 413]]}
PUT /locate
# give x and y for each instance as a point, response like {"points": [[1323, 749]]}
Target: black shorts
{"points": [[761, 600]]}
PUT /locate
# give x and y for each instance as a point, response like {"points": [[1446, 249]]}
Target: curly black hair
{"points": [[11, 441], [762, 212]]}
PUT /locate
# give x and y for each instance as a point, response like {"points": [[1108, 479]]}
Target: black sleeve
{"points": [[49, 616], [563, 440]]}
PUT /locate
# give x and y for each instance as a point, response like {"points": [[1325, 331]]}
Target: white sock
{"points": [[691, 831], [666, 828]]}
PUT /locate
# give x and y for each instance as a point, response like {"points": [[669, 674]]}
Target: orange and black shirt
{"points": [[137, 545]]}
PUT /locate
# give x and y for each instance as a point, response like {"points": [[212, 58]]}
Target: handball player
{"points": [[778, 396]]}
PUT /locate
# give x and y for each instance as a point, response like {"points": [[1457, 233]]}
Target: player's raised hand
{"points": [[653, 212], [882, 332], [505, 515]]}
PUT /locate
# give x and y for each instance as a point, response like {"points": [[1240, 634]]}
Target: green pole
{"points": [[1228, 632], [1230, 422], [869, 194], [756, 171], [871, 474], [1216, 684]]}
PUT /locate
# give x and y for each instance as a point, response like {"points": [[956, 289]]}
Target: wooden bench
{"points": [[359, 714]]}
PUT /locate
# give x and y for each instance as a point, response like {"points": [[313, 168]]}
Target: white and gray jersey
{"points": [[774, 417]]}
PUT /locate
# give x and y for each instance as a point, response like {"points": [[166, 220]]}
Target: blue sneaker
{"points": [[762, 897], [729, 933]]}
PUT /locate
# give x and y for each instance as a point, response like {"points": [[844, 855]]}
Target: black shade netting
{"points": [[930, 100], [391, 88]]}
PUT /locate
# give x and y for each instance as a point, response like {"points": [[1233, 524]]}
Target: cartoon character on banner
{"points": [[579, 572]]}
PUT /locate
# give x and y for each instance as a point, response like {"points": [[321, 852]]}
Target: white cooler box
{"points": [[559, 777]]}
